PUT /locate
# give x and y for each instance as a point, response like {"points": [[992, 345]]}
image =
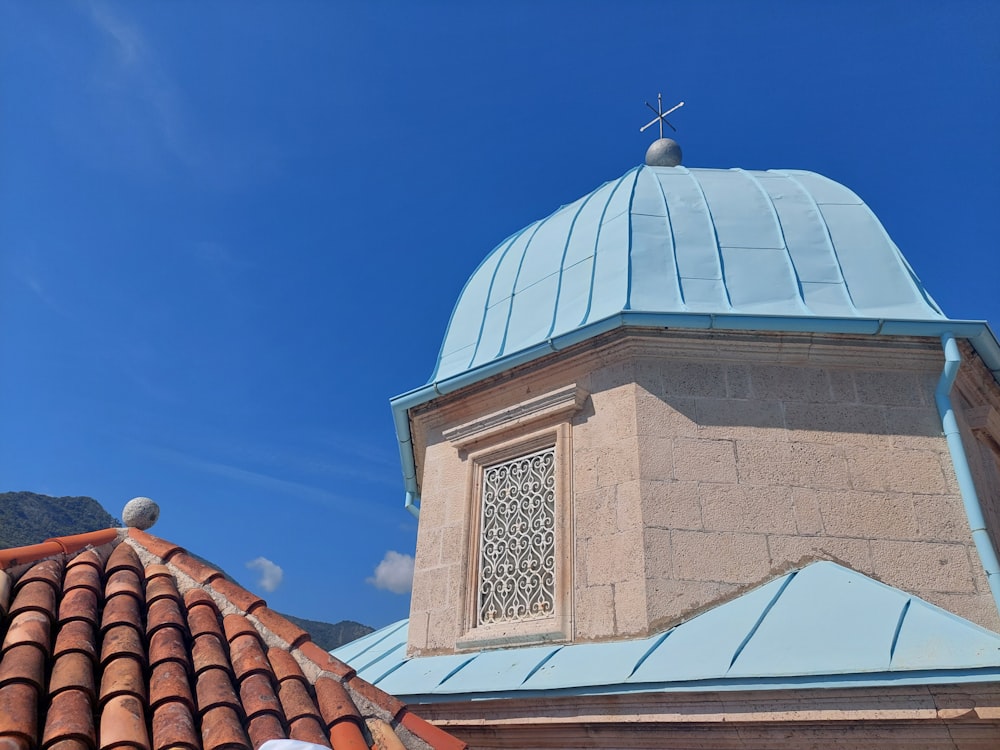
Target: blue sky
{"points": [[230, 232]]}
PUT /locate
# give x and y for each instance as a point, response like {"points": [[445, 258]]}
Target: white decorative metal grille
{"points": [[517, 540]]}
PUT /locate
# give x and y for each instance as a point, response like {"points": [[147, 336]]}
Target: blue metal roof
{"points": [[822, 626], [669, 240]]}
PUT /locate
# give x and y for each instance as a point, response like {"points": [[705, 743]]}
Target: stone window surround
{"points": [[535, 424]]}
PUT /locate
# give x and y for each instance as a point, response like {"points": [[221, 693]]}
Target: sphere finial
{"points": [[140, 513], [664, 152]]}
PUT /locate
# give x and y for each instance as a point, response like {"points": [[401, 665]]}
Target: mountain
{"points": [[28, 518], [329, 636]]}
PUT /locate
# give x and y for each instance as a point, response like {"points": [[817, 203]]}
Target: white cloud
{"points": [[270, 574], [394, 573]]}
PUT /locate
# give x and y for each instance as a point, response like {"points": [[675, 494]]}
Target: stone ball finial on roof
{"points": [[140, 513], [663, 152]]}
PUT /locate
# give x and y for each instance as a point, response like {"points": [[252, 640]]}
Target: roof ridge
{"points": [[57, 545]]}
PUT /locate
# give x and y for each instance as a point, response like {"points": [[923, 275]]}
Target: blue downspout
{"points": [[973, 509], [411, 504]]}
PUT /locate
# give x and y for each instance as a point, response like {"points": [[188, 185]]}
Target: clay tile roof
{"points": [[76, 635], [70, 717], [121, 610], [170, 683], [73, 671], [174, 726], [208, 652], [37, 596], [168, 644], [162, 613], [124, 558], [23, 663], [86, 576], [124, 581], [102, 652], [79, 604]]}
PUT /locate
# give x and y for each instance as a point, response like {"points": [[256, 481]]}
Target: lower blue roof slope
{"points": [[822, 626]]}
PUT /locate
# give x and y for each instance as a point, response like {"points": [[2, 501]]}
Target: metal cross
{"points": [[661, 116]]}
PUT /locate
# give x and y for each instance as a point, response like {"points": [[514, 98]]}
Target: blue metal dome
{"points": [[671, 246]]}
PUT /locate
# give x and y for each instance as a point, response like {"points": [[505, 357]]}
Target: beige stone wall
{"points": [[706, 464]]}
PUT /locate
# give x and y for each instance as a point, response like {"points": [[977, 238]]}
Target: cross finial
{"points": [[661, 116]]}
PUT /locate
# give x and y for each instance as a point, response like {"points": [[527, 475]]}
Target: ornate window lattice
{"points": [[517, 540]]}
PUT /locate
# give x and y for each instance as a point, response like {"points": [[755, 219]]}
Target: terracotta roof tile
{"points": [[49, 571], [265, 727], [124, 558], [123, 723], [79, 604], [83, 576], [76, 635], [39, 596], [122, 640], [158, 570], [215, 688], [334, 702], [238, 595], [237, 625], [325, 661], [195, 568], [123, 676], [258, 697], [248, 657], [23, 663], [291, 634], [168, 644], [174, 726], [169, 681], [296, 702], [20, 710], [346, 735], [211, 683], [162, 613], [203, 619], [29, 627], [73, 671], [14, 743], [309, 729], [161, 587], [197, 596], [208, 652], [122, 610], [159, 547], [436, 738], [87, 558], [124, 581], [284, 665], [222, 728], [70, 716]]}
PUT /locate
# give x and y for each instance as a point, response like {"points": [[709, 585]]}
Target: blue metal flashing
{"points": [[672, 247], [823, 626]]}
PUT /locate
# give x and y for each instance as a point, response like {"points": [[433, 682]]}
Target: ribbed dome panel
{"points": [[676, 240]]}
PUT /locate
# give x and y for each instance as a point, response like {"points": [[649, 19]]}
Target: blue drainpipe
{"points": [[970, 499]]}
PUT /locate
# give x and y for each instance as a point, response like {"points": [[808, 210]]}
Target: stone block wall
{"points": [[706, 464]]}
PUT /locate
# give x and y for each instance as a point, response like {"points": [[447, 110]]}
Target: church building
{"points": [[702, 464]]}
